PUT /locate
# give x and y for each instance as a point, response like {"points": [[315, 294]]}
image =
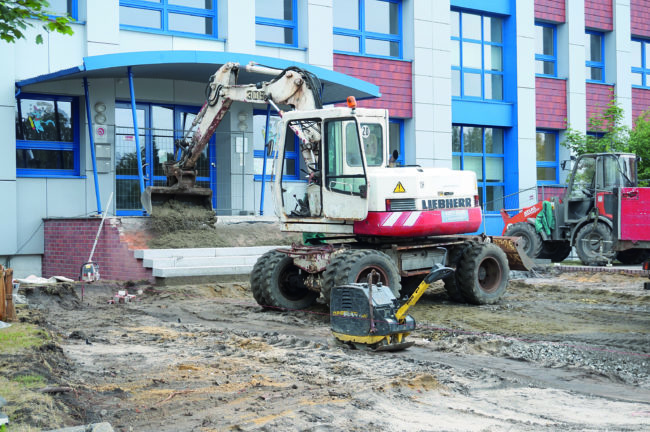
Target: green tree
{"points": [[17, 15], [617, 137], [640, 145]]}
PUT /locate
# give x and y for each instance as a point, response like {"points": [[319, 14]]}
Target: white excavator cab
{"points": [[336, 145]]}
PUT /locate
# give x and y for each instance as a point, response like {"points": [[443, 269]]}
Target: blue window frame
{"points": [[196, 18], [547, 150], [276, 22], [545, 49], [47, 136], [368, 27], [477, 56], [292, 155], [641, 63], [481, 149], [595, 56]]}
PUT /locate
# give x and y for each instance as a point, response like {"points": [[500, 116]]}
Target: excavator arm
{"points": [[293, 87]]}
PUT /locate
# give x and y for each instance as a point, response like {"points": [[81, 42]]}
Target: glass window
{"points": [[545, 55], [368, 27], [342, 146], [547, 157], [198, 17], [63, 7], [291, 165], [481, 149], [594, 58], [276, 22], [372, 143], [477, 56], [641, 63], [395, 132], [47, 139]]}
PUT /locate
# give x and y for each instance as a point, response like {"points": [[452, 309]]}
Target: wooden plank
{"points": [[10, 311], [3, 307]]}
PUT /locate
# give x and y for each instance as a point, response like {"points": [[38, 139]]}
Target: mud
{"points": [[178, 225], [560, 352]]}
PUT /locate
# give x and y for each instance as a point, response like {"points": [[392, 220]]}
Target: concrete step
{"points": [[181, 261], [178, 263], [170, 272], [202, 252]]}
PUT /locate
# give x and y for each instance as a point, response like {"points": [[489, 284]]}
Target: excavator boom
{"points": [[292, 87]]}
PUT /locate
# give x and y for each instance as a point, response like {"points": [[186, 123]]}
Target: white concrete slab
{"points": [[202, 271]]}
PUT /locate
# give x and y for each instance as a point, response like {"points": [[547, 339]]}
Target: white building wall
{"points": [[525, 18], [431, 84], [618, 58]]}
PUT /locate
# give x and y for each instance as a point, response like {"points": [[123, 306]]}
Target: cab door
{"points": [[345, 183]]}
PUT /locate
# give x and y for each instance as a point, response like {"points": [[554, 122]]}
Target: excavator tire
{"points": [[633, 256], [532, 241], [588, 243], [355, 265], [256, 281], [451, 282], [482, 273], [282, 283], [556, 251]]}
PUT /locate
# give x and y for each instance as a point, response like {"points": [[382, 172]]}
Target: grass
{"points": [[21, 336]]}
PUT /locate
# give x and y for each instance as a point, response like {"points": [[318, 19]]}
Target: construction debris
{"points": [[122, 296]]}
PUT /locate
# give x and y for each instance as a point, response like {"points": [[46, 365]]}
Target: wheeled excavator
{"points": [[375, 215]]}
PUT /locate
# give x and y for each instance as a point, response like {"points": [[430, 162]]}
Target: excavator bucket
{"points": [[158, 195], [517, 258]]}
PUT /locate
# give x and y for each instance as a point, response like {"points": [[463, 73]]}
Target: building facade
{"points": [[474, 85]]}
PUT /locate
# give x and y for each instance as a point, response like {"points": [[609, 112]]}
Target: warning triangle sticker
{"points": [[399, 188]]}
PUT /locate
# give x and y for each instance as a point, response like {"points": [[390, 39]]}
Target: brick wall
{"points": [[392, 76], [598, 96], [550, 10], [68, 243], [599, 15], [640, 101], [640, 17], [550, 102], [545, 193]]}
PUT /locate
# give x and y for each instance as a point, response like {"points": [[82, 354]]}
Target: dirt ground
{"points": [[560, 352]]}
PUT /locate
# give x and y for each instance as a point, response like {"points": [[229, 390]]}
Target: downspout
{"points": [[266, 141], [136, 131], [92, 147]]}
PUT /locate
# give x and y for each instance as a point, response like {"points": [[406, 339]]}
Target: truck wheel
{"points": [[355, 265], [589, 241], [556, 251], [482, 274], [283, 284], [257, 281], [451, 282], [633, 256], [532, 241]]}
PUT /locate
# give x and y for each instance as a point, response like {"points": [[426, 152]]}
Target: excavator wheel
{"points": [[482, 273], [355, 265], [556, 251], [451, 283], [256, 281], [594, 244], [532, 241], [282, 283]]}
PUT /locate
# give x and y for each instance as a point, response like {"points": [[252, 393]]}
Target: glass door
{"points": [[159, 126], [127, 183]]}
